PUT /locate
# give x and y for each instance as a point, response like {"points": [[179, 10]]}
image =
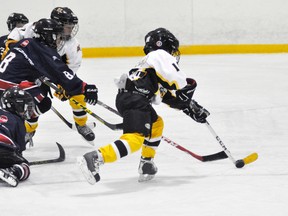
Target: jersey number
{"points": [[68, 75], [4, 64]]}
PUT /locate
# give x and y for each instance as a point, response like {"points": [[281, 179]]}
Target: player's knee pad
{"points": [[137, 121]]}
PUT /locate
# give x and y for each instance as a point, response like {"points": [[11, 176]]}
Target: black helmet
{"points": [[18, 101], [16, 18], [65, 16], [47, 31], [161, 38]]}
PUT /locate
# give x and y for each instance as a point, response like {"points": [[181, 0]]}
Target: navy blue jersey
{"points": [[3, 40], [29, 59], [12, 131]]}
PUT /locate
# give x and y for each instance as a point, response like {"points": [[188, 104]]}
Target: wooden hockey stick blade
{"points": [[250, 158], [57, 160]]}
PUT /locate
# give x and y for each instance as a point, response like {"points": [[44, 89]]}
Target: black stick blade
{"points": [[57, 160], [217, 156]]}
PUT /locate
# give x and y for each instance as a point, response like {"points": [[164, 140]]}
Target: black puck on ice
{"points": [[239, 163]]}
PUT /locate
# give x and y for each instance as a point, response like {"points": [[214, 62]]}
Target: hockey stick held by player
{"points": [[38, 57], [70, 53], [183, 101], [154, 79]]}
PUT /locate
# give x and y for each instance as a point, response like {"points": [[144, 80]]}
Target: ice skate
{"points": [[7, 176], [86, 132], [89, 165], [147, 169]]}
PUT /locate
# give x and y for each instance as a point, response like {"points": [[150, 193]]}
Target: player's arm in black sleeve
{"points": [[183, 101], [49, 64]]}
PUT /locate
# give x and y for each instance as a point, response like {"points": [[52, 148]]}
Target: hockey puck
{"points": [[239, 163]]}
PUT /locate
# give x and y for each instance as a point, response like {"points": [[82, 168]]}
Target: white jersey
{"points": [[71, 52], [166, 68], [157, 71], [25, 31]]}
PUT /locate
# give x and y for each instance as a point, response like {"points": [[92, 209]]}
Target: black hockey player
{"points": [[14, 20], [154, 79], [16, 106], [32, 58]]}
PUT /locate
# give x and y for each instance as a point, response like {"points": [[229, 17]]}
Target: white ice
{"points": [[247, 98]]}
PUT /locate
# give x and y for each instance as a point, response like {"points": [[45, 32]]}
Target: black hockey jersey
{"points": [[3, 40], [12, 131], [29, 59]]}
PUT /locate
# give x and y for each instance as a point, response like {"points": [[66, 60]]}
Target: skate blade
{"points": [[145, 177], [85, 171], [10, 181]]}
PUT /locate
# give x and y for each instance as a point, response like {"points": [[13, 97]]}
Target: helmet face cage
{"points": [[15, 19], [68, 19], [18, 101], [49, 32], [70, 30], [161, 38]]}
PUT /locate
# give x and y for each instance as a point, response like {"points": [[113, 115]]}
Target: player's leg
{"points": [[147, 168], [13, 167], [80, 118]]}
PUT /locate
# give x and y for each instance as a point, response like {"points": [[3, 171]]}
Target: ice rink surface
{"points": [[247, 98]]}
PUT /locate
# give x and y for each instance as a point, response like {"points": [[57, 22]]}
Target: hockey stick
{"points": [[108, 108], [212, 157], [59, 159], [217, 156], [109, 125], [69, 124], [205, 158], [238, 163]]}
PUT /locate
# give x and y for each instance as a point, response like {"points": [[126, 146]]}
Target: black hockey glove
{"points": [[42, 107], [196, 112], [186, 93], [91, 94]]}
